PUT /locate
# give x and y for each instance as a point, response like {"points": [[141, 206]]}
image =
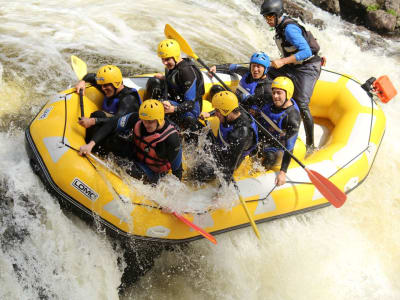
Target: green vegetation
{"points": [[392, 12], [373, 7]]}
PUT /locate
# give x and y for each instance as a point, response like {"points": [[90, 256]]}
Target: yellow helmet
{"points": [[109, 74], [284, 83], [151, 110], [225, 102], [169, 48]]}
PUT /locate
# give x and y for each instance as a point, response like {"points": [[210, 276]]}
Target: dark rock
{"points": [[331, 6], [381, 21], [380, 16]]}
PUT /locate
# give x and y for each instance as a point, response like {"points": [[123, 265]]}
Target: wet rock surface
{"points": [[379, 16]]}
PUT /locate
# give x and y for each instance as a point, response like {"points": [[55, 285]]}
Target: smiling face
{"points": [[169, 62], [278, 97], [108, 89], [257, 70]]}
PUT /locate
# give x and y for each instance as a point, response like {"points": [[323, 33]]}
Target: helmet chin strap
{"points": [[283, 103]]}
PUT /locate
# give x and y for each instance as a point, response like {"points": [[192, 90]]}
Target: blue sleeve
{"points": [[294, 36], [190, 93]]}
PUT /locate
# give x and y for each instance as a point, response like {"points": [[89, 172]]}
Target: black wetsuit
{"points": [[185, 86], [304, 74], [240, 139], [289, 123], [169, 149], [129, 102]]}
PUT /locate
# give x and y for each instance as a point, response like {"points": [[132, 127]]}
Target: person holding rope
{"points": [[181, 88], [237, 137], [154, 147], [300, 60], [118, 101], [254, 81], [282, 120]]}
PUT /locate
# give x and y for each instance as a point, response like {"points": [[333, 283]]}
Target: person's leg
{"points": [[191, 127], [304, 79], [141, 171]]}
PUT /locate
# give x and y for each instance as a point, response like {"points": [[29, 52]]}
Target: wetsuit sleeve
{"points": [[240, 139], [189, 79], [294, 36], [291, 126], [232, 68], [262, 96], [116, 124], [174, 154]]}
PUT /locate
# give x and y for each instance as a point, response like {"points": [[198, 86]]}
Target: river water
{"points": [[347, 253]]}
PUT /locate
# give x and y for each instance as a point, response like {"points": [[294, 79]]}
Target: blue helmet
{"points": [[262, 59]]}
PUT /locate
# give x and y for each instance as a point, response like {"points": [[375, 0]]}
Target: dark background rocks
{"points": [[380, 18]]}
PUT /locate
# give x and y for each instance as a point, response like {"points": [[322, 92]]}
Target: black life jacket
{"points": [[287, 48]]}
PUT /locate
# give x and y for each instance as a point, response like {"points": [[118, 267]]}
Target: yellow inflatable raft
{"points": [[353, 125]]}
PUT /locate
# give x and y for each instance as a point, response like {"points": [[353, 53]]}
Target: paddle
{"points": [[172, 34], [178, 216], [330, 191], [79, 66], [195, 227], [80, 69]]}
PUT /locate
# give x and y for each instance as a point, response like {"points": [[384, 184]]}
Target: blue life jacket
{"points": [[277, 118], [111, 105], [250, 87]]}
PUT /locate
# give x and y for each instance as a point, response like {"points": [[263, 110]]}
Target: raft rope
{"points": [[370, 127], [261, 199]]}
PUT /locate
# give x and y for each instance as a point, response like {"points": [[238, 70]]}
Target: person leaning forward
{"points": [[237, 137], [254, 82], [182, 85], [300, 60], [154, 146], [118, 101]]}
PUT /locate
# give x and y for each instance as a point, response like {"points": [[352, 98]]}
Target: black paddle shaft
{"points": [[81, 102], [258, 123]]}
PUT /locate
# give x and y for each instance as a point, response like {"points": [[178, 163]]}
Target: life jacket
{"points": [[286, 48], [110, 105], [146, 147], [224, 131], [277, 118], [250, 87]]}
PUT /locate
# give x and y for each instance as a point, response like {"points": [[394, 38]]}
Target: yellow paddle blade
{"points": [[253, 224], [79, 66], [170, 33]]}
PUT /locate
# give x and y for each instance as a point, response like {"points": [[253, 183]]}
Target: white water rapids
{"points": [[347, 253]]}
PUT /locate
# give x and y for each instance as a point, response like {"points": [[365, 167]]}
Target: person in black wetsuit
{"points": [[300, 60], [118, 101], [181, 88], [154, 146], [237, 137], [281, 118], [254, 82]]}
